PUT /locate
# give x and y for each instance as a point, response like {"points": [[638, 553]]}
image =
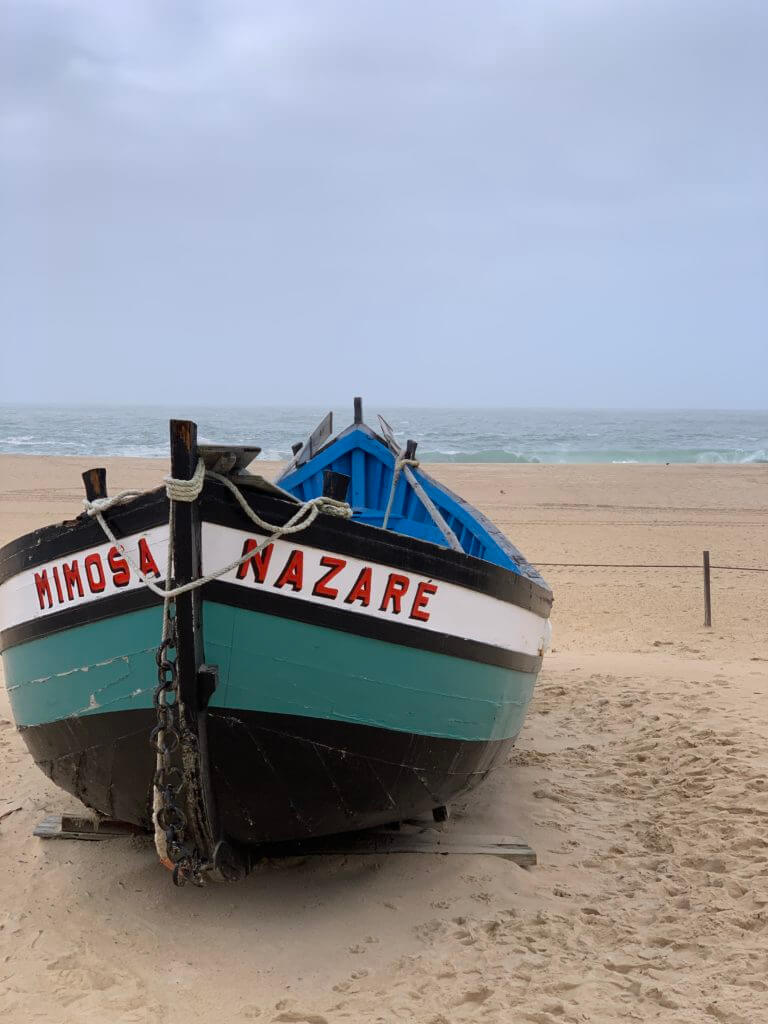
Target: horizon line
{"points": [[334, 405]]}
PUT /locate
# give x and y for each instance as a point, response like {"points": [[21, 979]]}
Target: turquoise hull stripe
{"points": [[103, 666], [270, 664]]}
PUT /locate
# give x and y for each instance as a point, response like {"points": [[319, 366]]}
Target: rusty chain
{"points": [[167, 736]]}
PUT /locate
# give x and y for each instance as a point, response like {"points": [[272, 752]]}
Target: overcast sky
{"points": [[527, 202]]}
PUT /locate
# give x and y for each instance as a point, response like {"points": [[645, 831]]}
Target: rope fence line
{"points": [[616, 565], [705, 566]]}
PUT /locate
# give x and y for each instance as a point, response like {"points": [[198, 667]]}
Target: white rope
{"points": [[400, 463], [188, 491], [328, 505], [98, 505]]}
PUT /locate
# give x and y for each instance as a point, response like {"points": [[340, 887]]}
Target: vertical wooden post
{"points": [[189, 651], [358, 403], [196, 681], [186, 557], [95, 481], [707, 592]]}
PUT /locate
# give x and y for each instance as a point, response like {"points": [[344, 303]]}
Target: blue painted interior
{"points": [[370, 465]]}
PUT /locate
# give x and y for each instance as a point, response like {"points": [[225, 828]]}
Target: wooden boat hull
{"points": [[304, 777], [349, 695]]}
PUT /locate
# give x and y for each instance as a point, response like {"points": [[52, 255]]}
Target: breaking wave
{"points": [[475, 456]]}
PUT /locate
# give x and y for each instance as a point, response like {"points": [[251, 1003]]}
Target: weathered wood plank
{"points": [[227, 458], [69, 826], [386, 841], [373, 842]]}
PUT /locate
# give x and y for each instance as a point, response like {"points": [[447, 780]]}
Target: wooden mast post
{"points": [[196, 681]]}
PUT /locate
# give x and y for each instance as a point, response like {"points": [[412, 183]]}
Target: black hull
{"points": [[275, 777]]}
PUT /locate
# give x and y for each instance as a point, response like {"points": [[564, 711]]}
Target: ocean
{"points": [[444, 435]]}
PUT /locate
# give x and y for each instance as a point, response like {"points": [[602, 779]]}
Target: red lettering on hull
{"points": [[57, 581], [94, 573], [291, 576], [118, 566], [334, 567], [72, 579], [293, 573], [258, 562], [396, 587], [91, 573], [423, 593], [43, 589], [147, 564], [361, 588]]}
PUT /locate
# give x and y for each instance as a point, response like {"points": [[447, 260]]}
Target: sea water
{"points": [[444, 435]]}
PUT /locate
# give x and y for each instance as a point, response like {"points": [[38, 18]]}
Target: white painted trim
{"points": [[453, 609], [18, 595]]}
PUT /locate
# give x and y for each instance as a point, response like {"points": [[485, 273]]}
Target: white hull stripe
{"points": [[290, 569]]}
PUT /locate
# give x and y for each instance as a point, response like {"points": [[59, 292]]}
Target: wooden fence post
{"points": [[707, 592]]}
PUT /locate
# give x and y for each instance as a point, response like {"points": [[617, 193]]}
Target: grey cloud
{"points": [[538, 202]]}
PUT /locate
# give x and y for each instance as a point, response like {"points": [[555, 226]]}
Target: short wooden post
{"points": [[358, 404], [95, 481], [335, 485], [707, 592]]}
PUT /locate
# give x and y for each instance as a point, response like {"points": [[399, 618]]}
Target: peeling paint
{"points": [[82, 668]]}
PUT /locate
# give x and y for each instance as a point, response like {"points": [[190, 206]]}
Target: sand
{"points": [[641, 779]]}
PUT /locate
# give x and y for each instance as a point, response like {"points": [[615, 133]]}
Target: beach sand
{"points": [[641, 780]]}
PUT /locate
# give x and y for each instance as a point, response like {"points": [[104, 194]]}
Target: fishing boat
{"points": [[232, 662]]}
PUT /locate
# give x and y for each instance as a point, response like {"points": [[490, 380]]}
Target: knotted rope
{"points": [[186, 490]]}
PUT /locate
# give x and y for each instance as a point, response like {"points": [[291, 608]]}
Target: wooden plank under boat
{"points": [[362, 675]]}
